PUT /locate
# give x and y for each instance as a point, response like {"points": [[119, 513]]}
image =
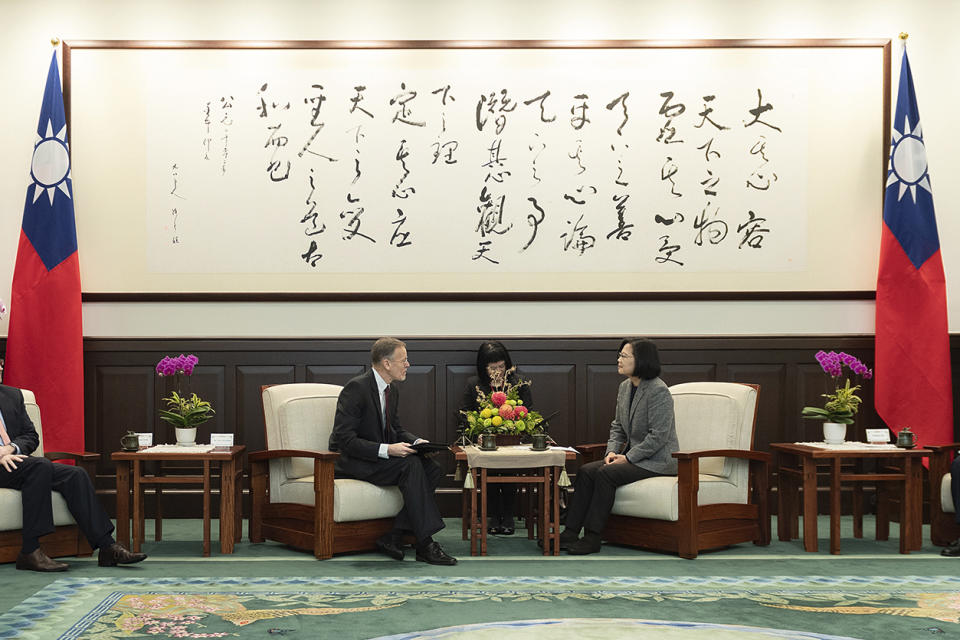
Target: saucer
{"points": [[834, 442]]}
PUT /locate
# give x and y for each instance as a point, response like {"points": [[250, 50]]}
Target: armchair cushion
{"points": [[353, 500], [658, 498], [946, 498]]}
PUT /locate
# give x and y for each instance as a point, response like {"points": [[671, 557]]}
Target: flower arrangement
{"points": [[502, 410], [3, 309], [844, 402], [184, 412]]}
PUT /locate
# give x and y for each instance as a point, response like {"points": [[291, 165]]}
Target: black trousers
{"points": [[36, 477], [500, 503], [595, 490], [955, 487], [417, 477]]}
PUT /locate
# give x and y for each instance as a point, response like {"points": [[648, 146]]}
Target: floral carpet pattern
{"points": [[452, 607]]}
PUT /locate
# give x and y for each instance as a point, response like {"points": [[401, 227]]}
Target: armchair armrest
{"points": [[273, 454], [86, 460], [744, 454], [942, 448], [592, 451], [68, 455]]}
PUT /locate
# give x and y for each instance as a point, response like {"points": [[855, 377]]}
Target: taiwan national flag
{"points": [[913, 386], [45, 338]]}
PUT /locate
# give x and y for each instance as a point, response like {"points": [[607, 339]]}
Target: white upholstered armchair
{"points": [[296, 499], [719, 496], [67, 540]]}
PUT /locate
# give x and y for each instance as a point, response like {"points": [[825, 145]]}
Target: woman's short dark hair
{"points": [[491, 351], [646, 358]]}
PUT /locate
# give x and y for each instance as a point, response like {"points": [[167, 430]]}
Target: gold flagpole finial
{"points": [[904, 35], [55, 41]]}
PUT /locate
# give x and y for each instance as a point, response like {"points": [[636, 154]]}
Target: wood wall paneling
{"points": [[575, 375]]}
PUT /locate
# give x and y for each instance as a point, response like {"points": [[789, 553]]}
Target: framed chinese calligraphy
{"points": [[442, 169]]}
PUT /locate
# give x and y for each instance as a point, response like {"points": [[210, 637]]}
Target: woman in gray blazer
{"points": [[643, 437]]}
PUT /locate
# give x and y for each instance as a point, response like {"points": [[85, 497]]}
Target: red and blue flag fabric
{"points": [[45, 336], [913, 383]]}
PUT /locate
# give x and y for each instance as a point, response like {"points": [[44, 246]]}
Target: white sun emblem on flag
{"points": [[51, 163], [908, 161]]}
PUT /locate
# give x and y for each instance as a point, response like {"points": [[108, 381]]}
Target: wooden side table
{"points": [[230, 459], [797, 465]]}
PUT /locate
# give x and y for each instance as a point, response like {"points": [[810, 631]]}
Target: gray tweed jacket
{"points": [[645, 430]]}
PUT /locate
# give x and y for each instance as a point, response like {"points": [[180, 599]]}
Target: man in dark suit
{"points": [[374, 447], [35, 478]]}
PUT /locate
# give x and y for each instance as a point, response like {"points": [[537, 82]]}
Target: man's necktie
{"points": [[386, 415], [3, 431]]}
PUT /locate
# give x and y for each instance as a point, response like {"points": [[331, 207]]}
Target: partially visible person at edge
{"points": [[643, 437], [952, 550], [493, 363], [375, 447], [36, 477]]}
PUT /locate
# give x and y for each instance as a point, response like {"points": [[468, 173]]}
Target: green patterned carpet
{"points": [[868, 592], [430, 607]]}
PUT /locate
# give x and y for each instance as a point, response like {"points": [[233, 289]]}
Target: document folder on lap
{"points": [[429, 447]]}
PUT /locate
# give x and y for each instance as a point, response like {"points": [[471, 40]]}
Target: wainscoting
{"points": [[576, 376]]}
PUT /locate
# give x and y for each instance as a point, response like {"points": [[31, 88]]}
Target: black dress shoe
{"points": [[952, 550], [589, 543], [507, 531], [390, 547], [37, 560], [116, 554], [433, 553], [494, 530]]}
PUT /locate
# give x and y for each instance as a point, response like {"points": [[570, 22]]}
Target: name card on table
{"points": [[878, 436], [145, 439], [221, 439]]}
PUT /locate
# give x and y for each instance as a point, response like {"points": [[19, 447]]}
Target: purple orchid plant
{"points": [[184, 411], [844, 402]]}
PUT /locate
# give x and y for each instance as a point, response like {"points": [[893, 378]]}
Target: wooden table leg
{"points": [[137, 507], [123, 502], [483, 511], [809, 504], [473, 511], [786, 510], [206, 508], [884, 491], [858, 508], [238, 500], [464, 511], [158, 519], [911, 517], [555, 485], [835, 513], [227, 506]]}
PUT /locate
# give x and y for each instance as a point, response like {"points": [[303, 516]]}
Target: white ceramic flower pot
{"points": [[186, 437], [834, 432]]}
